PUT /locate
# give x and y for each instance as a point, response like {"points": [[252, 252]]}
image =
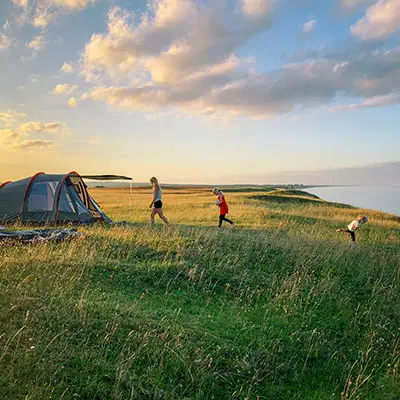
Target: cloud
{"points": [[182, 56], [21, 3], [64, 88], [38, 43], [42, 18], [308, 29], [351, 5], [38, 127], [225, 93], [40, 13], [36, 144], [9, 136], [377, 101], [27, 136], [257, 8], [16, 140], [74, 5], [173, 39], [309, 26], [67, 68], [72, 102], [5, 41], [381, 20], [11, 116]]}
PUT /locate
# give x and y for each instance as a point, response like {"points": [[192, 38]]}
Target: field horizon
{"points": [[281, 307]]}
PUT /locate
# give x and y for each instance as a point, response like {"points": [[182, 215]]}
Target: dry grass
{"points": [[282, 307]]}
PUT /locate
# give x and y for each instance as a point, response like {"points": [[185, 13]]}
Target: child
{"points": [[223, 207], [353, 226], [156, 204]]}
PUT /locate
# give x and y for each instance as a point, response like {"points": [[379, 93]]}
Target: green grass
{"points": [[283, 307]]}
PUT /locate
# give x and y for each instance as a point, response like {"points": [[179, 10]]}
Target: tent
{"points": [[54, 199]]}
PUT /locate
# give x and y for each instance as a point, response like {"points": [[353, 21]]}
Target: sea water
{"points": [[382, 198]]}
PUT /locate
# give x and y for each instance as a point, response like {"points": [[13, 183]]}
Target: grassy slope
{"points": [[280, 308]]}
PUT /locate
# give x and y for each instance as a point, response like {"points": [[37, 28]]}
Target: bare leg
{"points": [[162, 216], [153, 213]]}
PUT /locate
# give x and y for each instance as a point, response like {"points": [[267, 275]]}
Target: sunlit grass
{"points": [[282, 307]]}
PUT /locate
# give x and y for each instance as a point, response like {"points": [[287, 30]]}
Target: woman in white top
{"points": [[156, 204], [353, 226]]}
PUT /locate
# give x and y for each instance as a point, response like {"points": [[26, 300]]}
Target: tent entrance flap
{"points": [[81, 189]]}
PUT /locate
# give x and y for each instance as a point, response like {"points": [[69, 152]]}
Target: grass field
{"points": [[282, 307]]}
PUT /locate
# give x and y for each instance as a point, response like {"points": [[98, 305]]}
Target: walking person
{"points": [[353, 226], [223, 207], [156, 203]]}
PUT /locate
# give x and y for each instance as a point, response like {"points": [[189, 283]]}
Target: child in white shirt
{"points": [[353, 226]]}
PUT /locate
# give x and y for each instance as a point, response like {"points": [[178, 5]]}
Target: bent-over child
{"points": [[353, 226]]}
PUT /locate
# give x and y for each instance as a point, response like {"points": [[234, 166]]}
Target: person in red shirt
{"points": [[223, 207]]}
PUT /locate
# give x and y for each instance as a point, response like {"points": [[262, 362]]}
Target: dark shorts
{"points": [[158, 204], [352, 234]]}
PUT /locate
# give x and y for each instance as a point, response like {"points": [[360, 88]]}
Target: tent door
{"points": [[80, 188]]}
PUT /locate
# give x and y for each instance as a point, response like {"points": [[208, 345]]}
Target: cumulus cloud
{"points": [[173, 39], [9, 136], [42, 18], [5, 41], [257, 8], [182, 55], [21, 3], [381, 20], [11, 116], [73, 4], [40, 13], [28, 135], [72, 102], [294, 86], [18, 140], [64, 88], [67, 68], [37, 44]]}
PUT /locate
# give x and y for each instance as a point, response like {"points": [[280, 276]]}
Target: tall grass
{"points": [[282, 307]]}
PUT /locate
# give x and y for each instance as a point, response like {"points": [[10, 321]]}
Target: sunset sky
{"points": [[198, 91]]}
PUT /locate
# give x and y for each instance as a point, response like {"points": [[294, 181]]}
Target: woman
{"points": [[223, 207], [156, 204]]}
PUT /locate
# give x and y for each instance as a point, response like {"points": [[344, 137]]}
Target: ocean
{"points": [[382, 198]]}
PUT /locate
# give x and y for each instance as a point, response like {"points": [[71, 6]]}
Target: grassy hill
{"points": [[282, 307]]}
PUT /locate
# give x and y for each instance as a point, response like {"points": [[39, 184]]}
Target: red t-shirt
{"points": [[223, 205]]}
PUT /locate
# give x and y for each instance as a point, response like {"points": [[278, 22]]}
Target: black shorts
{"points": [[158, 204], [352, 234]]}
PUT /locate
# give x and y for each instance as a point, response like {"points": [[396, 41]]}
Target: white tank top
{"points": [[158, 198]]}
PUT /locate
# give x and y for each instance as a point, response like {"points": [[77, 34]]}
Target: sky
{"points": [[224, 91]]}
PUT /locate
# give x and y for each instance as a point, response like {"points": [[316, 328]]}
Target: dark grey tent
{"points": [[54, 199]]}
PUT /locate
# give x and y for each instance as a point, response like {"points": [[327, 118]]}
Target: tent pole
{"points": [[130, 198]]}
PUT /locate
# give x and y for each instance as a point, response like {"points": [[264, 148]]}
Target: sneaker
{"points": [[234, 225]]}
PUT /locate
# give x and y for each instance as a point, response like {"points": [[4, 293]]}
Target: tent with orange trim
{"points": [[55, 199]]}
